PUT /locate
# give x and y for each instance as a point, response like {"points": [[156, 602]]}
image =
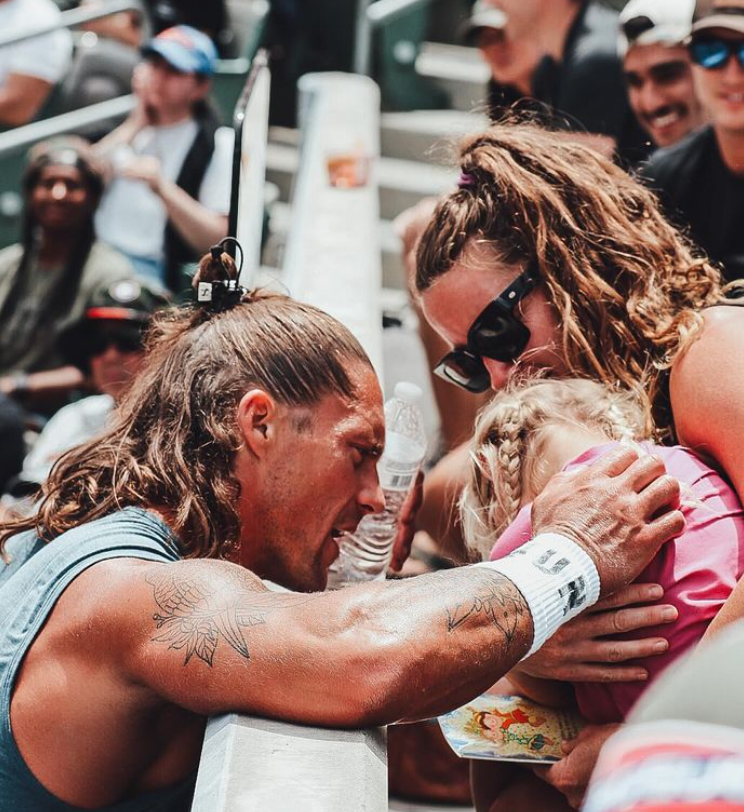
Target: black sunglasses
{"points": [[496, 333], [713, 53], [100, 340]]}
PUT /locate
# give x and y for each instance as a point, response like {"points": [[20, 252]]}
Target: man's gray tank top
{"points": [[29, 588]]}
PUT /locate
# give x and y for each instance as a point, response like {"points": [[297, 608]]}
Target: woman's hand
{"points": [[577, 652], [572, 773], [407, 524]]}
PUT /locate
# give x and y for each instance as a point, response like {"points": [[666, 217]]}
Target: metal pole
{"points": [[385, 11], [20, 138], [363, 40]]}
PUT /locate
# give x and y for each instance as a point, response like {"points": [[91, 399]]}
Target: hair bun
{"points": [[216, 266]]}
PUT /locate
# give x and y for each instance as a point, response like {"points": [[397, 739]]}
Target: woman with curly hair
{"points": [[547, 256]]}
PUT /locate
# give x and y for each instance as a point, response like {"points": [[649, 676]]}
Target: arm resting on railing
{"points": [[209, 637]]}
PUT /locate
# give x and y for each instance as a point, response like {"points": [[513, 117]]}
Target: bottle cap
{"points": [[407, 391]]}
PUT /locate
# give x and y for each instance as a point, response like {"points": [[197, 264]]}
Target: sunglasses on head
{"points": [[496, 333], [712, 53], [101, 340]]}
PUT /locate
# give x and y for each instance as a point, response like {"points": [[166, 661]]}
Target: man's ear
{"points": [[257, 413]]}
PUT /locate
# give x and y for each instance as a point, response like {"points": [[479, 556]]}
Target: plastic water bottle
{"points": [[365, 554]]}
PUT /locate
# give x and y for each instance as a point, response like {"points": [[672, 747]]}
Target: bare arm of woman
{"points": [[707, 391], [438, 512]]}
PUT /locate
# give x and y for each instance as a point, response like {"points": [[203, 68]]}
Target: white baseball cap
{"points": [[483, 15], [655, 22]]}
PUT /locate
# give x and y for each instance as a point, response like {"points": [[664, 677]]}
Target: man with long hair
{"points": [[134, 602]]}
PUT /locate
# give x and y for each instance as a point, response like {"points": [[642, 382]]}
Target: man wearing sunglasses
{"points": [[107, 346], [701, 179]]}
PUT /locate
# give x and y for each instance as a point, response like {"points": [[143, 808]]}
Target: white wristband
{"points": [[557, 579]]}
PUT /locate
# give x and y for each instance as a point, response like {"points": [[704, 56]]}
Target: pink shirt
{"points": [[698, 571]]}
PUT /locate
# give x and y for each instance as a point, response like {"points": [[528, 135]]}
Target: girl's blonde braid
{"points": [[492, 498]]}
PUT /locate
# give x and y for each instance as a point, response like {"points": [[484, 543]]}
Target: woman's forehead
{"points": [[63, 171]]}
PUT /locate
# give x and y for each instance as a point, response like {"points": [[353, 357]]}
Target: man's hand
{"points": [[407, 524], [145, 168], [576, 652], [620, 510], [572, 773]]}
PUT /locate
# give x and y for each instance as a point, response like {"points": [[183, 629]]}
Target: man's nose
{"points": [[110, 352], [651, 98], [371, 497], [498, 372], [732, 70]]}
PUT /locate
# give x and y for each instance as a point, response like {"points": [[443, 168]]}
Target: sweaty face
{"points": [[721, 90], [661, 92], [457, 298], [60, 200], [321, 478]]}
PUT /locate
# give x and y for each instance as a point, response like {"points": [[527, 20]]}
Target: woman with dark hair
{"points": [[549, 257], [47, 279]]}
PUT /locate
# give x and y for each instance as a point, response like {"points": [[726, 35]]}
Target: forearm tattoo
{"points": [[195, 614], [497, 600]]}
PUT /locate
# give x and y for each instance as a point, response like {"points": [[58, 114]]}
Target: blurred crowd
{"points": [[642, 85], [109, 226]]}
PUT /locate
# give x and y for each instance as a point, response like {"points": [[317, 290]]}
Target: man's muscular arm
{"points": [[209, 637]]}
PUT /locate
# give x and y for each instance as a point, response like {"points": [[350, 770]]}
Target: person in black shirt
{"points": [[578, 75], [701, 179], [511, 62]]}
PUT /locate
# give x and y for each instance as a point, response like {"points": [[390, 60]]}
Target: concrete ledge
{"points": [[332, 257], [261, 765]]}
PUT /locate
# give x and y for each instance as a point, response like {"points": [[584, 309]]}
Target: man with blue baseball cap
{"points": [[170, 161], [184, 48]]}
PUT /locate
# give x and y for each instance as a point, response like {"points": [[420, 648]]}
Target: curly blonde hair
{"points": [[510, 436], [628, 288]]}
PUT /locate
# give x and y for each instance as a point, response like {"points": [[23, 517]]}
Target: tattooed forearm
{"points": [[497, 600], [195, 613]]}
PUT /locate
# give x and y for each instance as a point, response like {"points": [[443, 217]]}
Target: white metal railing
{"points": [[332, 260], [18, 139], [372, 15], [71, 18]]}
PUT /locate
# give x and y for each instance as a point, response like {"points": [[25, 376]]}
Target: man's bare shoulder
{"points": [[132, 597]]}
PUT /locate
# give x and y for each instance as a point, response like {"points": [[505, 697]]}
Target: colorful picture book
{"points": [[509, 728]]}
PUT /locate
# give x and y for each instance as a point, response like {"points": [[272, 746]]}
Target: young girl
{"points": [[524, 437]]}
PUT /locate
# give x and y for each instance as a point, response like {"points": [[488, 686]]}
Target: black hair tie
{"points": [[222, 294]]}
